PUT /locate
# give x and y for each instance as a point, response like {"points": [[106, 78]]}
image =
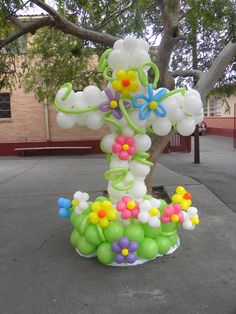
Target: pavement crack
{"points": [[38, 248]]}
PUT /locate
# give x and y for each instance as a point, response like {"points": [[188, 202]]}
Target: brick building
{"points": [[24, 122]]}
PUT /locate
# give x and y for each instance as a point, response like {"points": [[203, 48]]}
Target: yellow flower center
{"points": [[113, 104], [124, 252], [153, 105], [131, 205], [153, 211], [174, 218], [75, 203], [125, 147], [195, 220]]}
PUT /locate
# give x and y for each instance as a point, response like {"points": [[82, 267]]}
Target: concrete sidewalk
{"points": [[41, 273], [217, 169]]}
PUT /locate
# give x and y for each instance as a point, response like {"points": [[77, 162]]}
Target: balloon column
{"points": [[128, 227]]}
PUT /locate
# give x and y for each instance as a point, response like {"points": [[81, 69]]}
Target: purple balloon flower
{"points": [[125, 249], [112, 103]]}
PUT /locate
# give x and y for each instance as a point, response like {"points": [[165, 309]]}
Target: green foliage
{"points": [[207, 27]]}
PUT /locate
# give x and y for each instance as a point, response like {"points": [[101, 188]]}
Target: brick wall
{"points": [[27, 123]]}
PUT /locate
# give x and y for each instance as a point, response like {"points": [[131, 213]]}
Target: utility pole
{"points": [[195, 65]]}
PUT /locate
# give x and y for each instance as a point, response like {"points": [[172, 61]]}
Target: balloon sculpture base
{"points": [[139, 261]]}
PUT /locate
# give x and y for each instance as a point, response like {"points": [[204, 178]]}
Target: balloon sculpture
{"points": [[128, 227]]}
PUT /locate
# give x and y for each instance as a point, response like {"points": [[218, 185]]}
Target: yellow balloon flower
{"points": [[182, 197], [102, 213], [125, 82]]}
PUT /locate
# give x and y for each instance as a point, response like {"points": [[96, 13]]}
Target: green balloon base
{"points": [[139, 261]]}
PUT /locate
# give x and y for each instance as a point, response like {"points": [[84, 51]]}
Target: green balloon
{"points": [[79, 222], [164, 244], [74, 237], [134, 232], [101, 199], [147, 197], [151, 232], [171, 226], [148, 248], [92, 236], [73, 218], [173, 239], [163, 206], [105, 254], [114, 231], [84, 247]]}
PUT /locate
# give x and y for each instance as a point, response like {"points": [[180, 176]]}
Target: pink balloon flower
{"points": [[124, 146], [128, 207], [172, 213]]}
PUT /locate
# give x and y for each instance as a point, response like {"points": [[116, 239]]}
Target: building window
{"points": [[5, 106], [214, 107]]}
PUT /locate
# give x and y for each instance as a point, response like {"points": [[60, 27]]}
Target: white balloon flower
{"points": [[149, 212], [80, 202]]}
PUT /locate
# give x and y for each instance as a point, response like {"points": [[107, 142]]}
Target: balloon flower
{"points": [[129, 226]]}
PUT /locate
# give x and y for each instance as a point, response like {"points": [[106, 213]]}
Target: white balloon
{"points": [[140, 57], [127, 131], [192, 104], [128, 178], [192, 92], [70, 99], [117, 163], [130, 43], [118, 45], [94, 120], [83, 205], [186, 126], [142, 142], [192, 211], [179, 99], [143, 216], [107, 143], [145, 205], [92, 95], [154, 222], [187, 224], [176, 115], [139, 170], [77, 195], [117, 60], [85, 197], [143, 44], [155, 202], [113, 192], [65, 121], [171, 104], [161, 126], [199, 117], [138, 190], [135, 118]]}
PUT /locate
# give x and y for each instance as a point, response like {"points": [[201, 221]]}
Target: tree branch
{"points": [[186, 73], [170, 36], [70, 28], [212, 76], [30, 27]]}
